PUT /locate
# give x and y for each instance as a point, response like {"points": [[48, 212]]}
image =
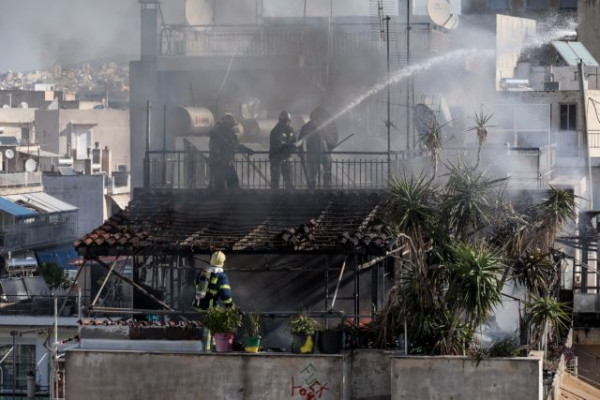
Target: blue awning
{"points": [[15, 209], [61, 255]]}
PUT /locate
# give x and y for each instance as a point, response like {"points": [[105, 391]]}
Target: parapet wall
{"points": [[464, 378], [94, 372]]}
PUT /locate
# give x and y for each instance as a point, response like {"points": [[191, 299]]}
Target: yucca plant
{"points": [[468, 200], [410, 205], [558, 209], [481, 127], [432, 140], [545, 314]]}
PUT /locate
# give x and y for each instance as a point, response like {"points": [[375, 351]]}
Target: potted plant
{"points": [[331, 340], [222, 323], [303, 329], [252, 341]]}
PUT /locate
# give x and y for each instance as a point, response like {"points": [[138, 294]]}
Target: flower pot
{"points": [[302, 344], [251, 344], [331, 341], [224, 342]]}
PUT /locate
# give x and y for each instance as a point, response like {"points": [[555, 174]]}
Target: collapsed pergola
{"points": [[344, 231]]}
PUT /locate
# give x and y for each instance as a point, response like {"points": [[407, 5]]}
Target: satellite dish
{"points": [[24, 104], [30, 165], [6, 106], [440, 13], [9, 153], [198, 12], [423, 117]]}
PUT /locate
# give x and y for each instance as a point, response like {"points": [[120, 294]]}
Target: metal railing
{"points": [[349, 170], [50, 233], [190, 170], [38, 305], [280, 39], [20, 179]]}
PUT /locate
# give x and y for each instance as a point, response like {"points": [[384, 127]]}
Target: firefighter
{"points": [[317, 150], [212, 285], [223, 144], [282, 146]]}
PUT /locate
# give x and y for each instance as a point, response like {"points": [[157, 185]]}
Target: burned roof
{"points": [[193, 221]]}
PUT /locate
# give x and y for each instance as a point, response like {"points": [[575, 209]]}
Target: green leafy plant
{"points": [[55, 276], [303, 324], [254, 324], [223, 320], [505, 347]]}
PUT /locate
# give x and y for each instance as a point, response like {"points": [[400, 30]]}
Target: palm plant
{"points": [[481, 128], [474, 284], [536, 271], [558, 209], [468, 200], [544, 314], [410, 205]]}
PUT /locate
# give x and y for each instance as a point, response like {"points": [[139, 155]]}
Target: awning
{"points": [[14, 209], [121, 200], [65, 256], [572, 52], [42, 201]]}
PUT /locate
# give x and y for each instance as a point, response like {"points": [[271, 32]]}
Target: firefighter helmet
{"points": [[217, 259], [285, 116], [228, 120]]}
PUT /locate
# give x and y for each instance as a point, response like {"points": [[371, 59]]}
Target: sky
{"points": [[36, 34]]}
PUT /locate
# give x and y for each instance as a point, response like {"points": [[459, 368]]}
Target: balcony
{"points": [[349, 170], [20, 182], [36, 236]]}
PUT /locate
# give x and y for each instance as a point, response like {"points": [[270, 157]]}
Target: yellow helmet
{"points": [[217, 259]]}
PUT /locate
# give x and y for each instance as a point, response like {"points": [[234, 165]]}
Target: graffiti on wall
{"points": [[306, 385]]}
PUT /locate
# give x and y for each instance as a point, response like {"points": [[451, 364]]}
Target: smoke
{"points": [[40, 33]]}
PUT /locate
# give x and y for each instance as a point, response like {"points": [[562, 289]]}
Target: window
{"points": [[498, 5], [536, 5], [568, 4], [568, 117]]}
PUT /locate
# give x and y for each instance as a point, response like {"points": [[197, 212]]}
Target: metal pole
{"points": [[409, 80], [164, 180], [389, 100], [14, 365], [588, 166], [147, 159]]}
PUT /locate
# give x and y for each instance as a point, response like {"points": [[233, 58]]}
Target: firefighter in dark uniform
{"points": [[212, 285], [282, 146], [317, 151], [222, 146]]}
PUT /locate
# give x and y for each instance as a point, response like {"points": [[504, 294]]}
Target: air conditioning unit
{"points": [[551, 86]]}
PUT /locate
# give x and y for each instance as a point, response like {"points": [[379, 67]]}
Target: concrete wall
{"points": [[462, 378], [83, 191], [143, 375], [588, 29], [370, 374]]}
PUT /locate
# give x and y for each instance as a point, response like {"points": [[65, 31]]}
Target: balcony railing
{"points": [[26, 237], [349, 170], [282, 39], [20, 180], [38, 305]]}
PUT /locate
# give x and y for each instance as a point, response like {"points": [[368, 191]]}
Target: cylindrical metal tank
{"points": [[189, 121]]}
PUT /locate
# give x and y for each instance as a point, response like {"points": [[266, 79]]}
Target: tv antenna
{"points": [[9, 153]]}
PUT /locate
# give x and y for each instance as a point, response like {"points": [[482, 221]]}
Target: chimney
{"points": [[106, 161], [96, 154]]}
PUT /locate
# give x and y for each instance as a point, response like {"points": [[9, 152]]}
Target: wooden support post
{"points": [[135, 285]]}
